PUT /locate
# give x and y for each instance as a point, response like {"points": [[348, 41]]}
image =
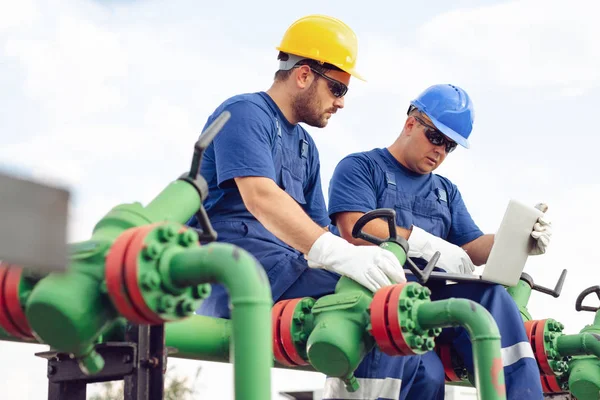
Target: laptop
{"points": [[512, 244]]}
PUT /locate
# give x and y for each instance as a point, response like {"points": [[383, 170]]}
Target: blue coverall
{"points": [[259, 141], [375, 179]]}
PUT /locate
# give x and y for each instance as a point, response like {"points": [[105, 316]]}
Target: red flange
{"points": [[444, 353], [379, 325], [278, 351], [5, 320], [114, 275], [540, 350], [394, 322], [551, 384], [285, 329], [12, 281], [131, 275]]}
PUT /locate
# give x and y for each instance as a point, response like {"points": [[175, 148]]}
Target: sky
{"points": [[106, 99]]}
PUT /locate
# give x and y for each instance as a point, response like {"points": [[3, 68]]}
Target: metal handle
{"points": [[578, 303], [389, 215], [557, 289]]}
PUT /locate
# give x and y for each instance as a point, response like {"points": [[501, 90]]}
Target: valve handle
{"points": [[557, 289], [578, 303], [204, 140], [389, 215], [206, 233]]}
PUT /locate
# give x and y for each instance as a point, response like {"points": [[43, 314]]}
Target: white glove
{"points": [[453, 259], [371, 266], [542, 232]]}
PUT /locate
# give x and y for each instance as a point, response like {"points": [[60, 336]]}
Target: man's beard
{"points": [[307, 108]]}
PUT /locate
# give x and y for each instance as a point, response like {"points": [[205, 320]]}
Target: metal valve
{"points": [[389, 215], [578, 303], [552, 292], [206, 233]]}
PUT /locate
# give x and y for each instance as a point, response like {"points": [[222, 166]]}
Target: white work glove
{"points": [[370, 266], [453, 259], [542, 232]]}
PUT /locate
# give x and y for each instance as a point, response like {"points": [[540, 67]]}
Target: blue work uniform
{"points": [[258, 141], [375, 179]]}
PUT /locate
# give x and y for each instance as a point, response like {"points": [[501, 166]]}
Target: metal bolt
{"points": [[150, 280], [298, 317], [405, 304], [51, 370], [410, 291], [165, 304], [151, 251], [307, 304], [408, 326], [201, 291], [429, 344], [427, 291], [166, 233], [185, 307], [416, 342], [187, 237]]}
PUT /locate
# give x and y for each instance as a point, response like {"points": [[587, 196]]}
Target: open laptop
{"points": [[512, 244]]}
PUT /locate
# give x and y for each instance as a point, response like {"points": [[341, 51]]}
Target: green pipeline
{"points": [[69, 311], [521, 293], [484, 335], [251, 302]]}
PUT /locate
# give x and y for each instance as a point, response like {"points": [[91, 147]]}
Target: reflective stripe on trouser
{"points": [[398, 378], [521, 371]]}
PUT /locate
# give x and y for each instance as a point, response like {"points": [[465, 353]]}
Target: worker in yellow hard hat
{"points": [[263, 173]]}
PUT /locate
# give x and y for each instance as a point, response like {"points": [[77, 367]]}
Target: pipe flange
{"points": [[150, 293], [545, 347], [115, 283], [278, 351], [296, 324], [394, 322], [454, 369], [13, 291]]}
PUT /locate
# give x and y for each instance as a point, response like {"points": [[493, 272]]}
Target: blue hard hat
{"points": [[450, 109]]}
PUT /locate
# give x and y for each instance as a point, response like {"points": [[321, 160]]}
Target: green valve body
{"points": [[584, 371], [520, 294], [70, 310], [339, 340]]}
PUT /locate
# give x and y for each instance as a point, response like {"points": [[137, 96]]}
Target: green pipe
{"points": [[176, 203], [579, 344], [484, 335], [251, 302], [199, 337], [584, 378], [521, 293]]}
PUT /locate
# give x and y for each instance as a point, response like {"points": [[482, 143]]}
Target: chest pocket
{"points": [[430, 214], [291, 164]]}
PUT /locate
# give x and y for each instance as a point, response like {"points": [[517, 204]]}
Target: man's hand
{"points": [[371, 266], [542, 232], [453, 259]]}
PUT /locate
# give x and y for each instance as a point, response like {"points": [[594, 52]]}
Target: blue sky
{"points": [[107, 98]]}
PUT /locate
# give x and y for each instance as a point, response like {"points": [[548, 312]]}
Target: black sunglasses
{"points": [[436, 137], [337, 88]]}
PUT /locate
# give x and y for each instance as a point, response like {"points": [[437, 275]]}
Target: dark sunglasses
{"points": [[337, 88], [436, 137]]}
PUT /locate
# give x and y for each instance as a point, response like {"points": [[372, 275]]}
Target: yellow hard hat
{"points": [[324, 39]]}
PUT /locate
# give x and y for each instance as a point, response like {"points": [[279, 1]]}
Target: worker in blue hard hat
{"points": [[432, 216]]}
